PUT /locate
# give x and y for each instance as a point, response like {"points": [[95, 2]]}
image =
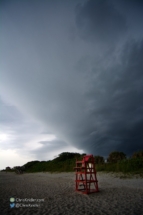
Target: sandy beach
{"points": [[54, 194]]}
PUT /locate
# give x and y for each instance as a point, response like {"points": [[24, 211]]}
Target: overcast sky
{"points": [[71, 78]]}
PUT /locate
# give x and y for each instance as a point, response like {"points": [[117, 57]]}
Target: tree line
{"points": [[65, 162]]}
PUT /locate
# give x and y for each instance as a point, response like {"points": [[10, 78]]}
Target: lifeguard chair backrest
{"points": [[87, 158]]}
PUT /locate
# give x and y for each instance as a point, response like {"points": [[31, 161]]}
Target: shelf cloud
{"points": [[74, 70]]}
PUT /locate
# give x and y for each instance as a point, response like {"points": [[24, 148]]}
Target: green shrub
{"points": [[116, 156], [66, 162], [99, 159]]}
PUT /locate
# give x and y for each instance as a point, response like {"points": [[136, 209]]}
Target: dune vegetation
{"points": [[65, 162]]}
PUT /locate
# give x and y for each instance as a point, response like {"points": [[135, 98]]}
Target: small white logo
{"points": [[12, 199]]}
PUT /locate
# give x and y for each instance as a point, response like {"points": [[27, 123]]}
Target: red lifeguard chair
{"points": [[86, 181]]}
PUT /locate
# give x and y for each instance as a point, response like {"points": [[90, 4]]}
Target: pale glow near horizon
{"points": [[3, 137], [11, 158]]}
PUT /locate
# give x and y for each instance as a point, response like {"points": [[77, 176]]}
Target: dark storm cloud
{"points": [[133, 2], [88, 95], [100, 21], [118, 103], [50, 146], [9, 114]]}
